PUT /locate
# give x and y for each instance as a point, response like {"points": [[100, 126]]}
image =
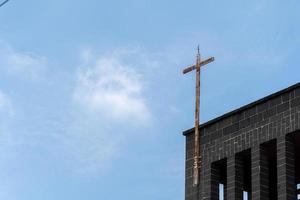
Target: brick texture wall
{"points": [[246, 128]]}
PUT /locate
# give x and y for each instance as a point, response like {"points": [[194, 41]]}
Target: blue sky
{"points": [[92, 99]]}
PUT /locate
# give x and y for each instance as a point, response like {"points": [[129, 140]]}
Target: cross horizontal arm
{"points": [[188, 69], [205, 62]]}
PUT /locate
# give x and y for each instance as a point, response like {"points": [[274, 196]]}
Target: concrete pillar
{"points": [[230, 194], [235, 178], [259, 173], [286, 168]]}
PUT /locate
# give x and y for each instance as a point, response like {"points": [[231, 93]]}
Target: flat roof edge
{"points": [[264, 99]]}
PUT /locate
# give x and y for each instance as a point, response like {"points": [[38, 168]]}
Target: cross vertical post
{"points": [[197, 155]]}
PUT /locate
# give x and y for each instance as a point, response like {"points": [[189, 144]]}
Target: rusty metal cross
{"points": [[197, 156]]}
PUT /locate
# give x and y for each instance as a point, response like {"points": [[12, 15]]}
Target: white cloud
{"points": [[108, 109], [112, 88], [21, 64]]}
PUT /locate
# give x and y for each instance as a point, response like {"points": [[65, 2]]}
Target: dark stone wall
{"points": [[270, 118]]}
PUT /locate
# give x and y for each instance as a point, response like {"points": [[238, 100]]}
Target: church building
{"points": [[252, 153]]}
